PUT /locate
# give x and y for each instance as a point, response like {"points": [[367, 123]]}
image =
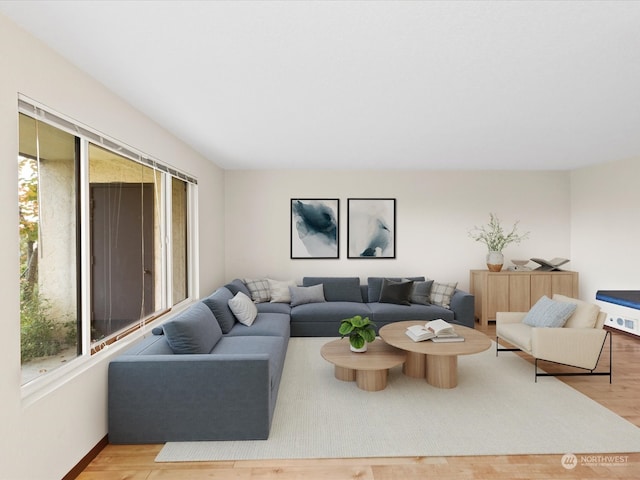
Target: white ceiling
{"points": [[358, 84]]}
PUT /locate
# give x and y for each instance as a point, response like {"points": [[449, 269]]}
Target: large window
{"points": [[105, 238]]}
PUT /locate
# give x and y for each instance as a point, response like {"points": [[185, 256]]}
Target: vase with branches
{"points": [[496, 239]]}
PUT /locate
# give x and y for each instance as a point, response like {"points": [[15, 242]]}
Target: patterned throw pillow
{"points": [[259, 289], [441, 293]]}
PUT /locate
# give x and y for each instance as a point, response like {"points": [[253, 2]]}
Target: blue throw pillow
{"points": [[549, 313], [193, 331], [218, 302]]}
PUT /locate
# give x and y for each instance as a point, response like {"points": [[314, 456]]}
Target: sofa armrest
{"points": [[509, 317], [462, 306], [580, 347], [159, 398]]}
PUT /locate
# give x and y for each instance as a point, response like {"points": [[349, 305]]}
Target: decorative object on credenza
{"points": [[314, 228], [550, 265], [360, 332], [371, 228], [519, 266], [495, 238]]}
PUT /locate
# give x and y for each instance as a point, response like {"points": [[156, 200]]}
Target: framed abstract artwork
{"points": [[314, 227], [371, 228]]}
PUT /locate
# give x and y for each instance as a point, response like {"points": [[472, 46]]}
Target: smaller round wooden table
{"points": [[437, 362], [370, 369]]}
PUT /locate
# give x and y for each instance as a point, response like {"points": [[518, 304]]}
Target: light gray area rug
{"points": [[496, 409]]}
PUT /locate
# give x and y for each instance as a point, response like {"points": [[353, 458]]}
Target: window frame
{"points": [[92, 352]]}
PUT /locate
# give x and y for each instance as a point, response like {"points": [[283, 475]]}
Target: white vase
{"points": [[358, 350], [495, 260]]}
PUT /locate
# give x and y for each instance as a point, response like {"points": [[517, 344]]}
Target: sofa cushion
{"points": [[193, 331], [243, 309], [517, 334], [259, 288], [396, 292], [265, 324], [421, 293], [441, 293], [374, 285], [585, 315], [279, 290], [218, 302], [382, 313], [268, 307], [302, 295], [332, 312], [549, 313], [337, 289], [238, 285]]}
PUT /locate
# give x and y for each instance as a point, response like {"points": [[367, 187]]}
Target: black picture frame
{"points": [[371, 228], [315, 228]]}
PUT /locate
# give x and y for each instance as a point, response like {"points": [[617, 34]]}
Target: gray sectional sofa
{"points": [[204, 375], [194, 382]]}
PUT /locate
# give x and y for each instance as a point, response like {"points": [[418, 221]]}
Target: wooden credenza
{"points": [[509, 291]]}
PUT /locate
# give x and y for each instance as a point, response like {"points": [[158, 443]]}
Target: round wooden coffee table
{"points": [[369, 369], [437, 362]]}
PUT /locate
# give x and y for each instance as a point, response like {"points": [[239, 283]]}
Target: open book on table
{"points": [[436, 330]]}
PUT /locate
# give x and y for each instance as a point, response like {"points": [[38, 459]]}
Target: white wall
{"points": [[43, 437], [435, 210], [605, 217]]}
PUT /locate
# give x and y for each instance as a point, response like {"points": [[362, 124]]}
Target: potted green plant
{"points": [[360, 332], [495, 238]]}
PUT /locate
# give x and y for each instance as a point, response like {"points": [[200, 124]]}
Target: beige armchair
{"points": [[579, 343]]}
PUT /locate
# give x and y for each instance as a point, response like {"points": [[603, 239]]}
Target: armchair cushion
{"points": [[585, 315], [579, 347], [549, 313]]}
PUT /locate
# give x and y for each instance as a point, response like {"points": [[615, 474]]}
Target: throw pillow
{"points": [[585, 315], [157, 331], [421, 293], [218, 302], [549, 313], [302, 295], [280, 290], [374, 285], [243, 308], [396, 292], [259, 289], [441, 293], [193, 331], [238, 285]]}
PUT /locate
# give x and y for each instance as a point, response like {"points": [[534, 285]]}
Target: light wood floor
{"points": [[135, 462]]}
